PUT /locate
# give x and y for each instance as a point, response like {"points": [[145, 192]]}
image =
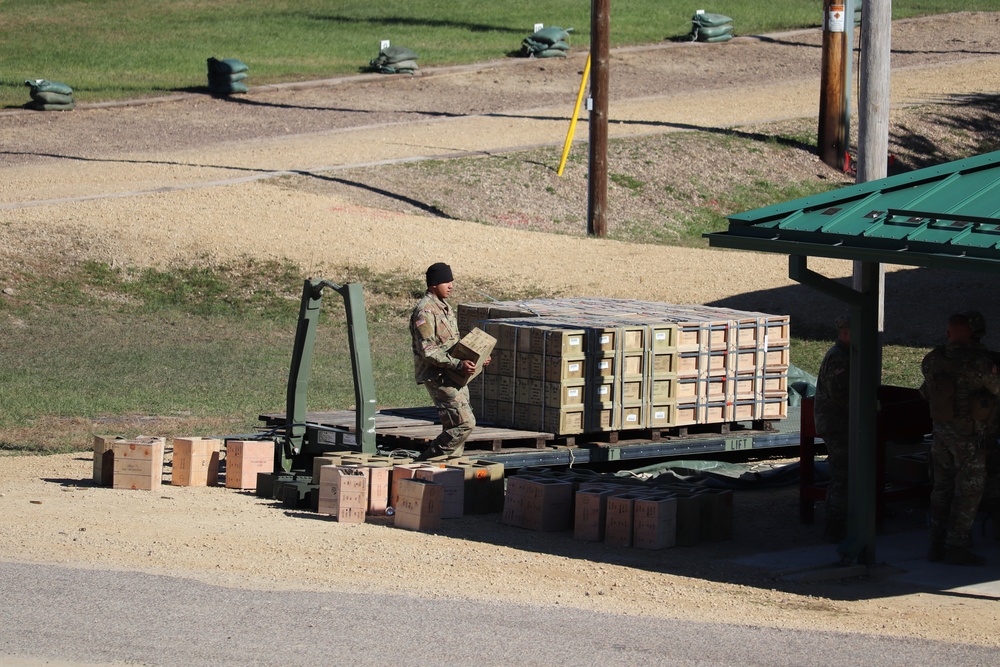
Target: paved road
{"points": [[64, 616]]}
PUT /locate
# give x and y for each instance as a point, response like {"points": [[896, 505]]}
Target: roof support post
{"points": [[865, 379]]}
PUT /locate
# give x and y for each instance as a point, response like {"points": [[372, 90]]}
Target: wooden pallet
{"points": [[416, 428]]}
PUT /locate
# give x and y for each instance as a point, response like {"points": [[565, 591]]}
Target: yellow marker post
{"points": [[572, 123]]}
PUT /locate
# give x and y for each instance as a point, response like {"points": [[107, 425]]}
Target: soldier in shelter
{"points": [[434, 330], [961, 384], [831, 414]]}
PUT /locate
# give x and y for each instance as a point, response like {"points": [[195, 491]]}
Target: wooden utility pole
{"points": [[597, 198], [873, 107], [832, 129], [869, 280], [873, 97]]}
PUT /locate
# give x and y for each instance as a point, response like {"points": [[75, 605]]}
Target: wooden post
{"points": [[873, 108], [873, 94], [597, 194], [832, 146]]}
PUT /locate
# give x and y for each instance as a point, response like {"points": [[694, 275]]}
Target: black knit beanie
{"points": [[439, 273]]}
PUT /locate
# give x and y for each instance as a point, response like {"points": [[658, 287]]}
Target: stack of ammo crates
{"points": [[585, 365]]}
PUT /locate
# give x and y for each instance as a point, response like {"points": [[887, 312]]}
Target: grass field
{"points": [[114, 49]]}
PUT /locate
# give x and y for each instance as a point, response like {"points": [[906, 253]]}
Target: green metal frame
{"points": [[295, 445]]}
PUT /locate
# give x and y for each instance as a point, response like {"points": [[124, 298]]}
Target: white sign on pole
{"points": [[384, 46], [539, 26], [835, 19]]}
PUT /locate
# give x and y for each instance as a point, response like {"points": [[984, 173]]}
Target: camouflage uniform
{"points": [[831, 413], [434, 329], [961, 384]]}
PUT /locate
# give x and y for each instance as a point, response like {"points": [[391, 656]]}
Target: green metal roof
{"points": [[946, 216]]}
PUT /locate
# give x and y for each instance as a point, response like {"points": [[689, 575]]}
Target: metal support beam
{"points": [[294, 439], [865, 379]]}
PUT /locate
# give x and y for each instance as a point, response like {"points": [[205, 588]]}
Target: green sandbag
{"points": [[551, 53], [51, 98], [223, 79], [44, 86], [392, 55], [707, 32], [720, 38], [227, 66], [228, 88], [710, 20], [551, 35], [405, 64], [42, 106], [399, 68]]}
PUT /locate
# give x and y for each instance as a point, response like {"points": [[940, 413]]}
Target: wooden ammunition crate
{"points": [[560, 369], [705, 362], [663, 389], [664, 338], [702, 413], [662, 415], [664, 363], [632, 415]]}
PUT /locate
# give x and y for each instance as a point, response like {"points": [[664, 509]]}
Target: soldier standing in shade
{"points": [[434, 329], [831, 414], [990, 503], [961, 385]]}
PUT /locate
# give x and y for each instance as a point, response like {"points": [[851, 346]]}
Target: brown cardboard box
{"points": [[246, 458], [343, 493], [654, 522], [547, 505], [138, 463], [619, 519], [104, 459], [688, 518], [327, 460], [453, 482], [399, 473], [590, 514], [716, 515], [476, 347], [196, 462], [379, 477], [420, 505], [513, 503]]}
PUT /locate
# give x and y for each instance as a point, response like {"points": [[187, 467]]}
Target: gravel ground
{"points": [[193, 177]]}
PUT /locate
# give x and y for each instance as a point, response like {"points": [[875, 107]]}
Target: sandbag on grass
{"points": [[227, 76], [551, 42], [49, 95], [395, 60]]}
